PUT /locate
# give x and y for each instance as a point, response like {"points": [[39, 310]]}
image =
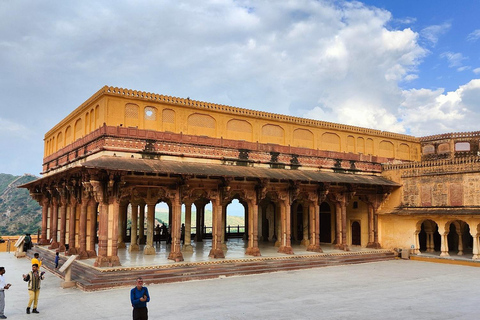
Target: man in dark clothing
{"points": [[139, 297]]}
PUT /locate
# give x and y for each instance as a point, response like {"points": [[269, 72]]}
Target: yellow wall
{"points": [[129, 108]]}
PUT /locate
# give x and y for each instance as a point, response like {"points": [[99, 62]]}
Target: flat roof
{"points": [[216, 170]]}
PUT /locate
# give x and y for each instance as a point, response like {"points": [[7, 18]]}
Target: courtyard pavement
{"points": [[397, 289]]}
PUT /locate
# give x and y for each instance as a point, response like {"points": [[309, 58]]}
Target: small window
{"points": [[462, 146], [150, 113], [428, 149], [355, 205]]}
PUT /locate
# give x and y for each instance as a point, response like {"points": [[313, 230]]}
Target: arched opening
{"points": [[236, 218], [325, 223], [356, 234], [429, 238], [299, 222], [459, 240], [267, 221]]}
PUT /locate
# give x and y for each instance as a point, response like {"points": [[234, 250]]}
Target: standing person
{"points": [[139, 297], [34, 278], [36, 260], [57, 258], [3, 286]]}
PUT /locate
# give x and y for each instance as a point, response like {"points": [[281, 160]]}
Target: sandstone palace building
{"points": [[300, 181]]}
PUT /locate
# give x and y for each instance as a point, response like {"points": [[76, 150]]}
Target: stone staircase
{"points": [[89, 278]]}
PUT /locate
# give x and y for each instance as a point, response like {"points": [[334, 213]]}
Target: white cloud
{"points": [[432, 33], [428, 112], [474, 36], [329, 60], [476, 70], [454, 59]]}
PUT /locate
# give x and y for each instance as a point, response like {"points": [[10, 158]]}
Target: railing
{"points": [[231, 232]]}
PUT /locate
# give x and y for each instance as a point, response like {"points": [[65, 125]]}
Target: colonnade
{"points": [[442, 228], [79, 203]]}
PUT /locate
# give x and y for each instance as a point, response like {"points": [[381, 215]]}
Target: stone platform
{"points": [[197, 265]]}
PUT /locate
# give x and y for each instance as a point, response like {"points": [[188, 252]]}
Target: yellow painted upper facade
{"points": [[129, 108]]}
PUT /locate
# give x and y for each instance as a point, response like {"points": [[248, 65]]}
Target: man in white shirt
{"points": [[3, 286]]}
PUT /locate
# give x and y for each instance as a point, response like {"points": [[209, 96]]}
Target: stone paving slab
{"points": [[397, 289]]}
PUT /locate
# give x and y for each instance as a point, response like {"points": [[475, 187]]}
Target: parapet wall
{"points": [[148, 111]]}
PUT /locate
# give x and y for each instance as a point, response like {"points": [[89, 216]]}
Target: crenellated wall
{"points": [[129, 108]]}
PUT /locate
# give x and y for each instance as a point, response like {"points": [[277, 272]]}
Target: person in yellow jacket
{"points": [[34, 279], [37, 260]]}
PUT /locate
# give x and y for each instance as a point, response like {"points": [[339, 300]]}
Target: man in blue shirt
{"points": [[139, 297]]}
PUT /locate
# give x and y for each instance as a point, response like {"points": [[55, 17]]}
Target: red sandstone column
{"points": [[133, 234], [175, 249], [114, 216], [223, 226], [82, 252], [102, 232], [71, 228], [314, 245], [344, 226], [200, 209], [305, 222], [187, 246], [285, 236], [216, 251], [149, 249], [92, 227], [338, 226], [376, 243], [141, 225], [371, 227], [45, 205], [54, 224], [253, 249], [121, 225], [63, 224]]}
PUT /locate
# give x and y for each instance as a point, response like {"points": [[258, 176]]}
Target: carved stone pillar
{"points": [[416, 250], [285, 223], [341, 201], [315, 201], [444, 245], [224, 227], [475, 249], [82, 251], [63, 223], [200, 221], [133, 234], [141, 225], [91, 227], [338, 226], [187, 246], [122, 225], [460, 244], [430, 243], [216, 251], [176, 221], [107, 227], [45, 205], [306, 218], [314, 210], [373, 202], [71, 228], [149, 248], [253, 249]]}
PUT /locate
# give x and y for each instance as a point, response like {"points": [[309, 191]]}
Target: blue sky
{"points": [[452, 24], [402, 66]]}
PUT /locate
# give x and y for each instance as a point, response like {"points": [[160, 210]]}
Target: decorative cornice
{"points": [[452, 135]]}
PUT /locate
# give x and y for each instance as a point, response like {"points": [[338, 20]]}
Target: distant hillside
{"points": [[19, 213]]}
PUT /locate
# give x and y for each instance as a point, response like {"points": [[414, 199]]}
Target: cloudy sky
{"points": [[404, 66]]}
